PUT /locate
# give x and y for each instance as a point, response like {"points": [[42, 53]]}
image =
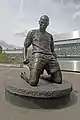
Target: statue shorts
{"points": [[41, 62]]}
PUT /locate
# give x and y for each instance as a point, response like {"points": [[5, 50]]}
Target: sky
{"points": [[22, 15]]}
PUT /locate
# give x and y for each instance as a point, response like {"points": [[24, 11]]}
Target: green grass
{"points": [[4, 58]]}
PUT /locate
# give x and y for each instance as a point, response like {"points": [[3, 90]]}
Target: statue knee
{"points": [[34, 77], [58, 81], [33, 82], [57, 77]]}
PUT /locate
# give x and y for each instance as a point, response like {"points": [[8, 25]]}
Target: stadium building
{"points": [[67, 44]]}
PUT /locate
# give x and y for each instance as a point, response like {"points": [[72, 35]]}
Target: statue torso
{"points": [[41, 42]]}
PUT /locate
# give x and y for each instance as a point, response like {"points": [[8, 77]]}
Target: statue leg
{"points": [[57, 77], [54, 70], [36, 70], [34, 76]]}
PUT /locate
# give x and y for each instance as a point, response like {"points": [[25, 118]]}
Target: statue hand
{"points": [[26, 61]]}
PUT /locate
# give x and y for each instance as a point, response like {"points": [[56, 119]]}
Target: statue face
{"points": [[43, 23]]}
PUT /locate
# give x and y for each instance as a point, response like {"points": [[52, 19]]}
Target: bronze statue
{"points": [[43, 55]]}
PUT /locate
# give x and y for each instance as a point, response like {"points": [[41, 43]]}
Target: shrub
{"points": [[4, 58]]}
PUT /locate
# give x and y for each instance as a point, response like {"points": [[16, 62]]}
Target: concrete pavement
{"points": [[9, 111]]}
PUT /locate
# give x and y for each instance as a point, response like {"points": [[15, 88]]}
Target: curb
{"points": [[13, 65]]}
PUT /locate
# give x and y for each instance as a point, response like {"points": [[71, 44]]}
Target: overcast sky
{"points": [[21, 15]]}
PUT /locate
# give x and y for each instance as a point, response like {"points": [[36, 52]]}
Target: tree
{"points": [[0, 49]]}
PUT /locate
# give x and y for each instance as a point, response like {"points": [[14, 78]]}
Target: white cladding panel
{"points": [[65, 36], [67, 42]]}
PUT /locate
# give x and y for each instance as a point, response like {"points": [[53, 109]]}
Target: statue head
{"points": [[44, 22]]}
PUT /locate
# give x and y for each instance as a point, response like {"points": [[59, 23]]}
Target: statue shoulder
{"points": [[49, 34], [31, 32]]}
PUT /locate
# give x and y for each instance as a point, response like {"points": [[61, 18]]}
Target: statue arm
{"points": [[27, 42], [52, 46]]}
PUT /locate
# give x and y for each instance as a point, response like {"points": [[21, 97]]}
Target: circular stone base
{"points": [[40, 103], [44, 89]]}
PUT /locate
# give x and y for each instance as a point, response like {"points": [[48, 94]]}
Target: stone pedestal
{"points": [[44, 89], [45, 95]]}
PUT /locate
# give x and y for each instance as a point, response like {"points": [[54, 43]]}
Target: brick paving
{"points": [[9, 111]]}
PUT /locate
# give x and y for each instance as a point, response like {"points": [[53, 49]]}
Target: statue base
{"points": [[44, 89], [46, 95]]}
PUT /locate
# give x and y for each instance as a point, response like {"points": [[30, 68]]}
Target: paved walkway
{"points": [[12, 65], [9, 111]]}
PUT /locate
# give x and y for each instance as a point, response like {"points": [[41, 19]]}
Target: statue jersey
{"points": [[41, 42]]}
